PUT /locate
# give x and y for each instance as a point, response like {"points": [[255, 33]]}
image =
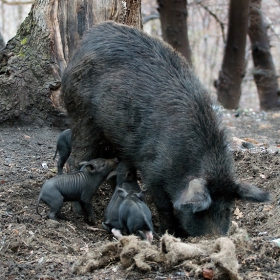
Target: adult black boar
{"points": [[133, 93]]}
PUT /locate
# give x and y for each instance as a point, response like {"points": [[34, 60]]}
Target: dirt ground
{"points": [[36, 248]]}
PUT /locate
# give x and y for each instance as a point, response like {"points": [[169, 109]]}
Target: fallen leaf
{"points": [[15, 231], [267, 207], [250, 140], [26, 136], [264, 126], [262, 176], [275, 115], [238, 213]]}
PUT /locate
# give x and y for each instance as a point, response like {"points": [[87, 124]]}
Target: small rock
{"points": [[14, 246], [255, 169], [247, 145], [52, 223], [277, 241]]}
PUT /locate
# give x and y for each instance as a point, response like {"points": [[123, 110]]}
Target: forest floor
{"points": [[32, 247]]}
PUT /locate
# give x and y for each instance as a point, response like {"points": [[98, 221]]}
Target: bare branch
{"points": [[278, 1], [199, 2], [147, 18], [271, 26], [16, 2]]}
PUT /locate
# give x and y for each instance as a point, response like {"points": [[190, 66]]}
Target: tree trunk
{"points": [[173, 18], [33, 61], [264, 72], [233, 66], [2, 43]]}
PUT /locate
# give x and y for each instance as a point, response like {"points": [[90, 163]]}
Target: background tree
{"points": [[13, 13], [173, 18], [2, 43], [207, 23], [233, 66], [33, 61], [264, 71]]}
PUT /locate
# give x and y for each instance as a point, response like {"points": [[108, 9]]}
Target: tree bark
{"points": [[2, 43], [233, 66], [264, 71], [173, 18], [33, 61]]}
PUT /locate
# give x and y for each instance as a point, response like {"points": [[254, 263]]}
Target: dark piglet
{"points": [[63, 147], [126, 212], [134, 215], [126, 179], [133, 93], [77, 186]]}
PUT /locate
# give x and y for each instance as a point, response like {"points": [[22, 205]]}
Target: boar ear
{"points": [[122, 193], [196, 194], [111, 175], [250, 192]]}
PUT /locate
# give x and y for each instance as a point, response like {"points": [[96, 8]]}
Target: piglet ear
{"points": [[122, 193], [89, 166], [111, 175], [252, 193], [83, 163], [142, 194], [196, 194]]}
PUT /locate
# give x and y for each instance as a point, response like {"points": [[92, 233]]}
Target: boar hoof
{"points": [[90, 221], [106, 227]]}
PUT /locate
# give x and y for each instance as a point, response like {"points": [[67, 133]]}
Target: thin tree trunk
{"points": [[233, 66], [264, 71], [33, 61], [173, 18], [2, 43]]}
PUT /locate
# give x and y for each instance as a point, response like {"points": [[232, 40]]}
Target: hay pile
{"points": [[212, 259]]}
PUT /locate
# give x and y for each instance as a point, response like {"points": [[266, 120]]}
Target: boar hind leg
{"points": [[55, 207], [85, 141], [77, 208], [88, 212], [63, 156], [164, 209], [106, 226]]}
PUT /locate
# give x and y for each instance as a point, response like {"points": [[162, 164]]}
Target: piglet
{"points": [[63, 147], [134, 215], [77, 186], [126, 211]]}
